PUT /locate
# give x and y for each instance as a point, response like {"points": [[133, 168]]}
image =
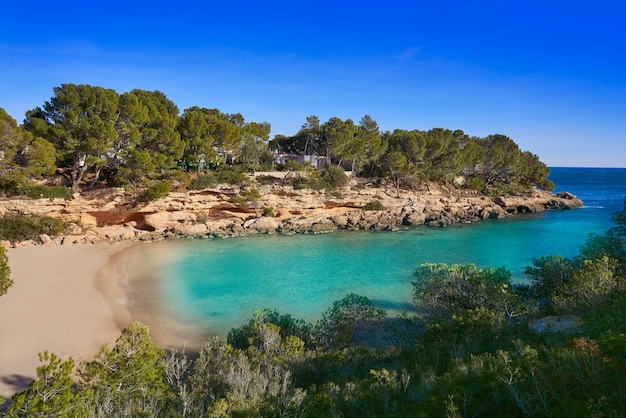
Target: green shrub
{"points": [[338, 325], [301, 183], [374, 205], [266, 179], [334, 177], [268, 212], [230, 176], [178, 177], [37, 191], [17, 227], [203, 181], [242, 337], [9, 186], [156, 190], [477, 183]]}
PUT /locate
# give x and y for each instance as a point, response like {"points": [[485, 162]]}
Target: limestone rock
{"points": [[323, 226], [263, 225], [191, 229], [113, 215]]}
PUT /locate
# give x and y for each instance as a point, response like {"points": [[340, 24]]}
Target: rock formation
{"points": [[112, 215]]}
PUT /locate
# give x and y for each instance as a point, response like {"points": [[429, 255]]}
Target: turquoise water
{"points": [[217, 284]]}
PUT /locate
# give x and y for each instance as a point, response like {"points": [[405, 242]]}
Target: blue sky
{"points": [[549, 74]]}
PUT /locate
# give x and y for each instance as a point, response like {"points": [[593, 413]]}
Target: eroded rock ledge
{"points": [[111, 215]]}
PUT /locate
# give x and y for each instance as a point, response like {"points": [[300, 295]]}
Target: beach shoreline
{"points": [[66, 300]]}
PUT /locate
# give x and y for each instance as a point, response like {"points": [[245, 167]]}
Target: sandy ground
{"points": [[65, 300]]}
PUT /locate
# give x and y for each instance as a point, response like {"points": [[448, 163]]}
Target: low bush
{"points": [[178, 178], [334, 177], [203, 181], [37, 191], [156, 190], [16, 227], [267, 179], [230, 176], [374, 205], [224, 176], [9, 186]]}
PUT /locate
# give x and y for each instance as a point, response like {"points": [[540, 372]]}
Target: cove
{"points": [[217, 284]]}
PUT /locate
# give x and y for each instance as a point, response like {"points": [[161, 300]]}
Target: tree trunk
{"points": [[96, 176], [78, 172]]}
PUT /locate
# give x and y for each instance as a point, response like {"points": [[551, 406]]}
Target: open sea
{"points": [[217, 284]]}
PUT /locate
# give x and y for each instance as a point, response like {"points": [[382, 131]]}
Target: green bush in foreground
{"points": [[16, 227]]}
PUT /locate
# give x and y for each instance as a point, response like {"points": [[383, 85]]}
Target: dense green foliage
{"points": [[96, 134], [22, 155], [16, 227]]}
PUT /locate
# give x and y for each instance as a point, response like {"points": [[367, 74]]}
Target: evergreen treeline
{"points": [[474, 347], [136, 138]]}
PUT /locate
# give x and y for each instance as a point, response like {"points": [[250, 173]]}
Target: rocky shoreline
{"points": [[111, 215]]}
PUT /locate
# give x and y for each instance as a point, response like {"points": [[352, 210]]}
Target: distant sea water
{"points": [[217, 284]]}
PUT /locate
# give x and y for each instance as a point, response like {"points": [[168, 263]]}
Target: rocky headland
{"points": [[113, 215]]}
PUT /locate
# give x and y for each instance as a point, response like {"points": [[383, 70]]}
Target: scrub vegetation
{"points": [[477, 345]]}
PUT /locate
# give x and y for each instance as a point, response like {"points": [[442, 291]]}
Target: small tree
{"points": [[337, 327], [590, 286], [444, 291], [128, 379], [334, 177], [249, 198], [52, 393], [243, 336]]}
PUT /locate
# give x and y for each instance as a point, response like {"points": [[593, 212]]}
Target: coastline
{"points": [[143, 268], [74, 293], [64, 300], [112, 215]]}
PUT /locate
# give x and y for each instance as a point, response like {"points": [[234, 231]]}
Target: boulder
{"points": [[263, 225], [323, 227], [191, 229], [159, 221]]}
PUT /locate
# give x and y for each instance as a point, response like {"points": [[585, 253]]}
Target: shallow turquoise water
{"points": [[217, 284]]}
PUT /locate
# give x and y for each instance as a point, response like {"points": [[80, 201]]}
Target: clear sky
{"points": [[549, 74]]}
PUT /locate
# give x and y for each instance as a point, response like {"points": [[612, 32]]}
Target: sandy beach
{"points": [[64, 300]]}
